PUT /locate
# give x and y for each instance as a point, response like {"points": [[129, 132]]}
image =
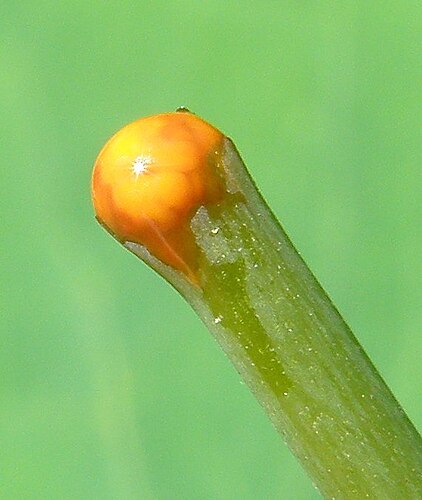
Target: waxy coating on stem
{"points": [[151, 177]]}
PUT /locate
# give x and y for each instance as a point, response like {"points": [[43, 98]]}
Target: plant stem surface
{"points": [[293, 349]]}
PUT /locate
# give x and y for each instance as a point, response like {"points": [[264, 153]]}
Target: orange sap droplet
{"points": [[151, 177]]}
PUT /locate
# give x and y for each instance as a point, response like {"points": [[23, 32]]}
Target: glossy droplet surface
{"points": [[151, 177]]}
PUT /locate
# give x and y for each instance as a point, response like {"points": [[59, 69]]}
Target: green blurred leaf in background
{"points": [[100, 396]]}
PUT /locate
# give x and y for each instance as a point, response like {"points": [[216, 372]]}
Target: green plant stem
{"points": [[294, 350]]}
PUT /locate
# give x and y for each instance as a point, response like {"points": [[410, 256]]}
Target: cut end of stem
{"points": [[151, 177]]}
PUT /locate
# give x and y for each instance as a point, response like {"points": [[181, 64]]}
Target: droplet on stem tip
{"points": [[151, 177]]}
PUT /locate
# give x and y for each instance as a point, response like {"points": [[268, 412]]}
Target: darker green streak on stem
{"points": [[230, 307], [294, 350]]}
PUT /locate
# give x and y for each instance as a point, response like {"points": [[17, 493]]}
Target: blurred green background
{"points": [[110, 387]]}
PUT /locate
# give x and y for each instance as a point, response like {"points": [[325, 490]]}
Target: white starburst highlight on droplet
{"points": [[140, 165]]}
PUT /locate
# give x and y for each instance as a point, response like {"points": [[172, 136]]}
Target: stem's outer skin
{"points": [[293, 349]]}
